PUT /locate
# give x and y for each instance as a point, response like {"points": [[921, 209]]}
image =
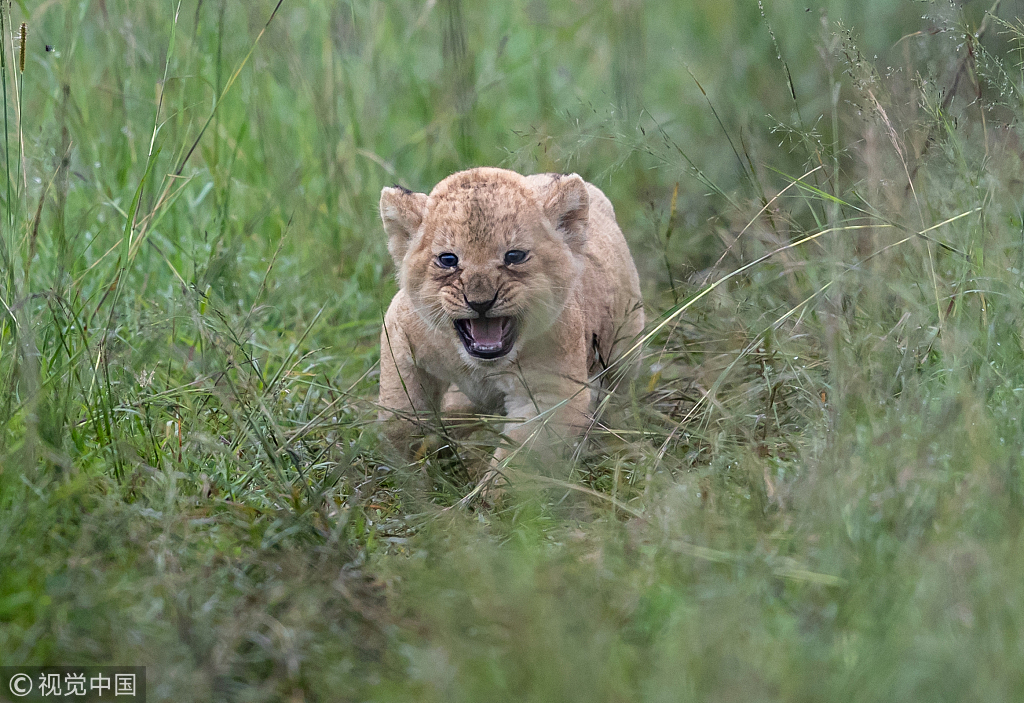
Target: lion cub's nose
{"points": [[482, 306]]}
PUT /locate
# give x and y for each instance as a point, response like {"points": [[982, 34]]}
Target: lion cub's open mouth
{"points": [[487, 337]]}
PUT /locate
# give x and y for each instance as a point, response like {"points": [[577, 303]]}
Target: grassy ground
{"points": [[814, 492]]}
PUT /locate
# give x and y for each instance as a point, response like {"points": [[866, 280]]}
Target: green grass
{"points": [[813, 491]]}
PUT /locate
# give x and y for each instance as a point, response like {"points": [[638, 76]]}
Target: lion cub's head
{"points": [[489, 257]]}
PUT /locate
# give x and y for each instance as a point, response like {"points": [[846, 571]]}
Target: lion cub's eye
{"points": [[447, 260], [515, 256]]}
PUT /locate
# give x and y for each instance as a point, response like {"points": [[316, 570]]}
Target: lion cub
{"points": [[515, 290]]}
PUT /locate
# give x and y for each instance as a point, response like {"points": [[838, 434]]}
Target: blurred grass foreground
{"points": [[813, 491]]}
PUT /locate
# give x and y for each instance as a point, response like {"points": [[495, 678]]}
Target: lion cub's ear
{"points": [[567, 205], [402, 212]]}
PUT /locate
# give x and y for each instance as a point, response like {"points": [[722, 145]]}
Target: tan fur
{"points": [[576, 299]]}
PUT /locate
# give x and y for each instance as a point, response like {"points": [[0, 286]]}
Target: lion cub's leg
{"points": [[410, 398], [549, 422], [545, 421], [460, 414], [551, 383], [462, 419]]}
